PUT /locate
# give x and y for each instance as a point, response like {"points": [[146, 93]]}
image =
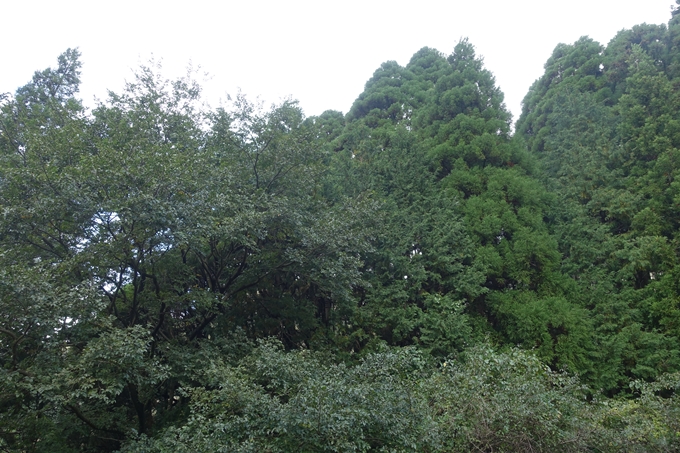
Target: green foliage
{"points": [[397, 400], [277, 401], [149, 227], [607, 140], [408, 277], [464, 214], [509, 402]]}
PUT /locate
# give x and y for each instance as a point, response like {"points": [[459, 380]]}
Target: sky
{"points": [[320, 53]]}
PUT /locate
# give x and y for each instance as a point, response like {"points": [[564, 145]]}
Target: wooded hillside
{"points": [[412, 276]]}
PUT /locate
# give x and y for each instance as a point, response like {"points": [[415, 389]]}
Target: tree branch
{"points": [[78, 413]]}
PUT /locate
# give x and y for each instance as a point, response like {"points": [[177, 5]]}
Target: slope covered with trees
{"points": [[410, 276]]}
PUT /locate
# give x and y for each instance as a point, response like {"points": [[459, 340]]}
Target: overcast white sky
{"points": [[321, 53]]}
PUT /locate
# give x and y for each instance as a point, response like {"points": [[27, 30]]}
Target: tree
{"points": [[602, 123], [154, 228]]}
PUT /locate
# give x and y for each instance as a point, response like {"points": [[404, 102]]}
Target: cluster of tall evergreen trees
{"points": [[410, 276]]}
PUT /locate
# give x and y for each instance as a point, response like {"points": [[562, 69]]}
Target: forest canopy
{"points": [[411, 276]]}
